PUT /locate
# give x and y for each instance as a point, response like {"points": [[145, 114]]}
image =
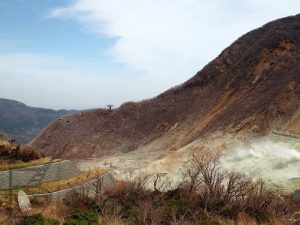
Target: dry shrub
{"points": [[134, 203], [130, 191], [5, 149], [206, 192], [27, 154], [78, 199], [244, 219], [112, 220], [277, 221], [16, 152], [51, 209], [146, 213], [229, 193]]}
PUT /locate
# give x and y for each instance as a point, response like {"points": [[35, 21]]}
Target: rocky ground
{"points": [[274, 158]]}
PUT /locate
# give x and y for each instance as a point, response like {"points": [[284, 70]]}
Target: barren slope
{"points": [[293, 126], [252, 86]]}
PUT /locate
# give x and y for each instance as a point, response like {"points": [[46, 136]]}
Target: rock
{"points": [[24, 202], [296, 195]]}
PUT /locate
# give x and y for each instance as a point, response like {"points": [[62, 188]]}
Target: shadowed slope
{"points": [[22, 122]]}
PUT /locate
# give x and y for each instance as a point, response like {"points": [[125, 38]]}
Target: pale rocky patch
{"points": [[24, 202]]}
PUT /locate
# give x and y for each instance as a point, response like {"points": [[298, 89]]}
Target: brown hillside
{"points": [[254, 85], [293, 126]]}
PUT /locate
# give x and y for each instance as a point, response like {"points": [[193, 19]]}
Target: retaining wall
{"points": [[91, 188], [292, 136], [29, 176]]}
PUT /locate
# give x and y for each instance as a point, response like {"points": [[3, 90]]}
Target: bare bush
{"points": [[206, 192], [16, 152], [229, 193]]}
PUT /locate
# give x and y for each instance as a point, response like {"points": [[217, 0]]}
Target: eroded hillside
{"points": [[252, 87]]}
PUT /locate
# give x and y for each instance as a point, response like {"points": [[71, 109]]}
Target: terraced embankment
{"points": [[30, 176], [91, 188], [288, 135]]}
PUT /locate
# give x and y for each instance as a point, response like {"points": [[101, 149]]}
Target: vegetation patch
{"points": [[80, 217], [6, 165], [11, 151], [38, 219], [14, 156], [207, 195]]}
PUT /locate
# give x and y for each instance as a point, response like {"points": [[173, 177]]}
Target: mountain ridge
{"points": [[253, 86], [22, 122]]}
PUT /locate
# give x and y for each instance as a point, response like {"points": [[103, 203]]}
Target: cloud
{"points": [[38, 80], [27, 64], [156, 44], [49, 81], [172, 40]]}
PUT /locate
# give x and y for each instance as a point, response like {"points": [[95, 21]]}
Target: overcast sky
{"points": [[89, 53]]}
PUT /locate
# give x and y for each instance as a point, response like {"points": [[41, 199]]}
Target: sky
{"points": [[80, 54]]}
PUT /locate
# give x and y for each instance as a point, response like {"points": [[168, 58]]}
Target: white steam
{"points": [[274, 159]]}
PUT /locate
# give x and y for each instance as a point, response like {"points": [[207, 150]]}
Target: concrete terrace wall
{"points": [[29, 176], [91, 188], [292, 136]]}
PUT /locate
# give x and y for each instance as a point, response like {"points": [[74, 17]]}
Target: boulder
{"points": [[296, 195], [24, 202]]}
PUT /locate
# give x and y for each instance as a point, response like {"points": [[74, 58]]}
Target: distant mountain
{"points": [[22, 122], [251, 88]]}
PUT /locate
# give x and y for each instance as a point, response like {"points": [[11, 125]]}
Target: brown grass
{"points": [[11, 151], [6, 165], [112, 220], [51, 209], [244, 219]]}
